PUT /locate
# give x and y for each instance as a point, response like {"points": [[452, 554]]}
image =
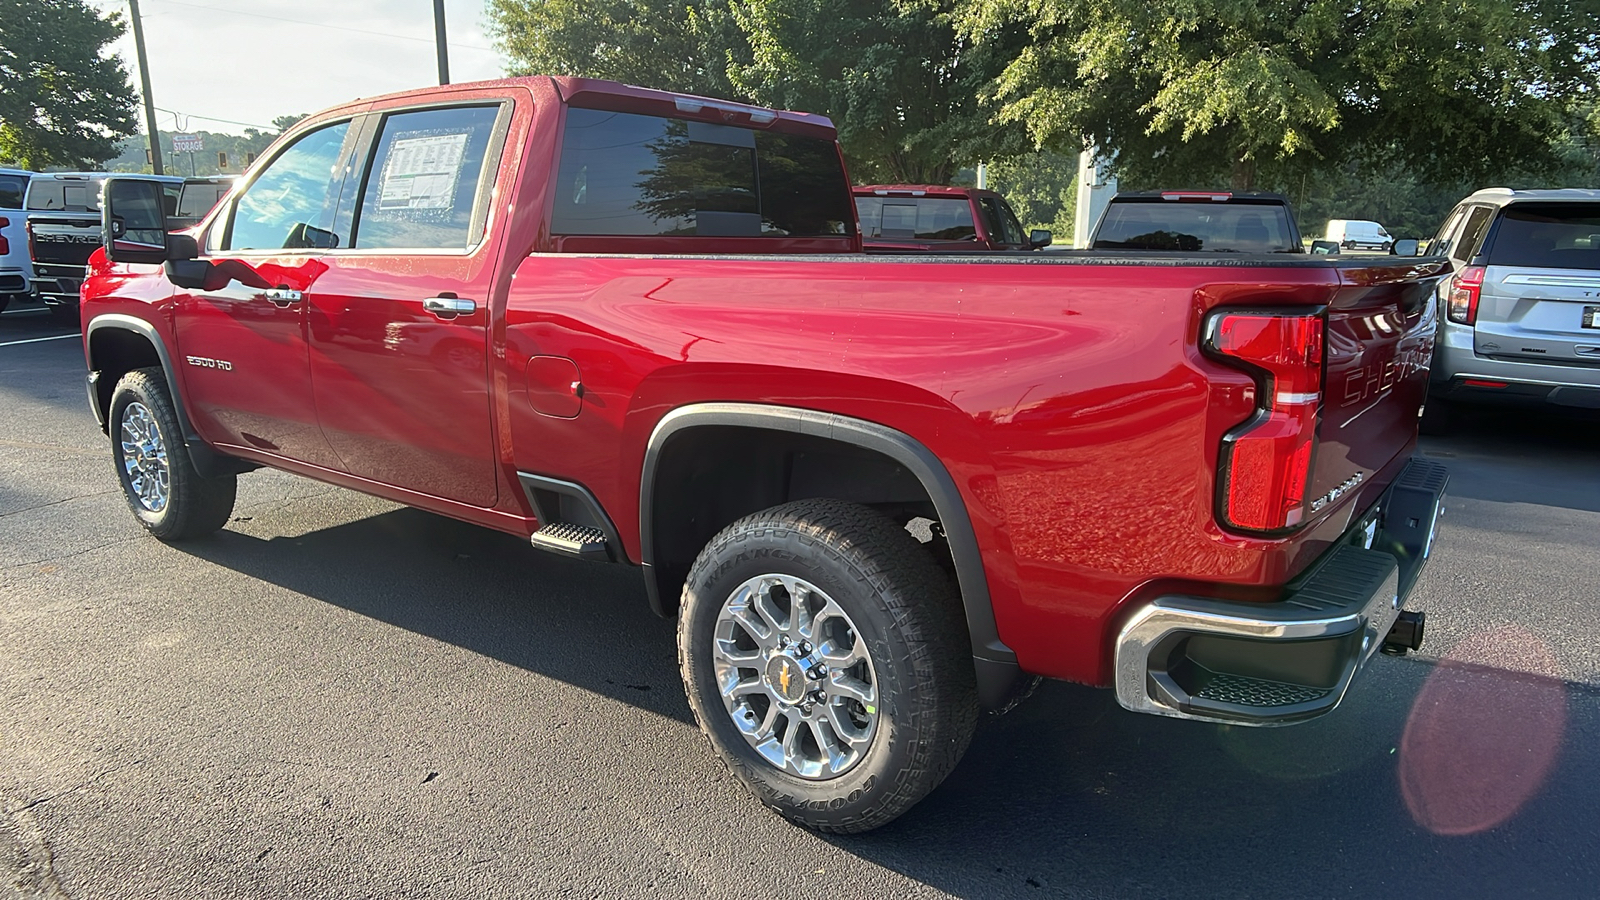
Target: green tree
{"points": [[64, 101], [1041, 187], [1206, 91], [904, 87]]}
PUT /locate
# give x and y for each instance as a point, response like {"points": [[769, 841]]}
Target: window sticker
{"points": [[421, 172]]}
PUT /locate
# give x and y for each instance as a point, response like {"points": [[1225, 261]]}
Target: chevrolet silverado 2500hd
{"points": [[637, 327]]}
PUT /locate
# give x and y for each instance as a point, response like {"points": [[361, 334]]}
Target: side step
{"points": [[573, 540]]}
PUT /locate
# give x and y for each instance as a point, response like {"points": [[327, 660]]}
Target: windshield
{"points": [[1195, 226], [1548, 236], [917, 218], [12, 187]]}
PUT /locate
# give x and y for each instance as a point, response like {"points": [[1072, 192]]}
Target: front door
{"points": [[242, 339], [399, 324]]}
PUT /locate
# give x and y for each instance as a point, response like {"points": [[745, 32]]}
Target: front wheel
{"points": [[167, 495], [826, 658]]}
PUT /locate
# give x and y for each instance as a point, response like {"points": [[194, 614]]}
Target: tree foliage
{"points": [[1206, 91], [64, 101], [904, 87]]}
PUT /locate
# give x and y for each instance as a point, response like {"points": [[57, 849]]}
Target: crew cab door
{"points": [[241, 340], [399, 322]]}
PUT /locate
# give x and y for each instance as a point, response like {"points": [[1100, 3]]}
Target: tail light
{"points": [[1266, 462], [5, 242], [1466, 287], [28, 226]]}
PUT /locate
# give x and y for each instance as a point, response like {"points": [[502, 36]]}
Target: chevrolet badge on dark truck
{"points": [[879, 494]]}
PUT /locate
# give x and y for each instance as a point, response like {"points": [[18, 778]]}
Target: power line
{"points": [[240, 12], [173, 112]]}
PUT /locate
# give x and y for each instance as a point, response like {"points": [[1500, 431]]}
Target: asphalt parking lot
{"points": [[340, 697]]}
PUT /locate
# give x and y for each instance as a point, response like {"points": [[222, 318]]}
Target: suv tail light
{"points": [[1266, 462], [5, 242], [1466, 287]]}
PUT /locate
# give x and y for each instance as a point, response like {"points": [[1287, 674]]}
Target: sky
{"points": [[224, 65]]}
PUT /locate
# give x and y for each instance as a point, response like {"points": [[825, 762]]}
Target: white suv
{"points": [[15, 270], [1519, 320]]}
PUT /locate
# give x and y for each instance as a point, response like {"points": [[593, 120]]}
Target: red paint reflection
{"points": [[1480, 739]]}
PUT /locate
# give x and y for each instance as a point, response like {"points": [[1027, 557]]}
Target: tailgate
{"points": [[1540, 300], [63, 240], [1378, 343]]}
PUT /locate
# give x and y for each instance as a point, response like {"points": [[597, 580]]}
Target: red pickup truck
{"points": [[878, 493]]}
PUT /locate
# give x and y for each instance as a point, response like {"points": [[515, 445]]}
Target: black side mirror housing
{"points": [[1407, 247], [1324, 248], [1040, 237], [133, 221]]}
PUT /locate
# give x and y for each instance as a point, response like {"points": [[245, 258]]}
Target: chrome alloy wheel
{"points": [[144, 457], [795, 676]]}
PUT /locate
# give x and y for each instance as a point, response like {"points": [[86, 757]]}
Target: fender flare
{"points": [[207, 461], [994, 662]]}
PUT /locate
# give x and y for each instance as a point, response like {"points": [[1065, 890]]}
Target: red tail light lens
{"points": [[5, 242], [1266, 463], [1465, 288]]}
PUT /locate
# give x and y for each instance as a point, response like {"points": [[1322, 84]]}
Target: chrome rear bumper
{"points": [[1284, 662]]}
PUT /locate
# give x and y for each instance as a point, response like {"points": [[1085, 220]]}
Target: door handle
{"points": [[283, 298], [449, 307]]}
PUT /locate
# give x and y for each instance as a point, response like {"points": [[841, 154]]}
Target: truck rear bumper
{"points": [[1284, 662]]}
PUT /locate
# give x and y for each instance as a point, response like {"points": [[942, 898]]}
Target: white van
{"points": [[1358, 234]]}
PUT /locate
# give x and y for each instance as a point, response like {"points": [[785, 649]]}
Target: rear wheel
{"points": [[159, 480], [826, 659]]}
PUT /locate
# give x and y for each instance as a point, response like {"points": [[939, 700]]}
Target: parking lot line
{"points": [[53, 337]]}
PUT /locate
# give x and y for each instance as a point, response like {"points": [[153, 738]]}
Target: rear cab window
{"points": [[1547, 236], [629, 174], [917, 218], [1195, 226]]}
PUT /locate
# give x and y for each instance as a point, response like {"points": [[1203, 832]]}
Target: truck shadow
{"points": [[1521, 456], [1068, 795], [583, 623]]}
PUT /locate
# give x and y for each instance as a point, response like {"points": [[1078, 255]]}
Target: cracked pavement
{"points": [[339, 697]]}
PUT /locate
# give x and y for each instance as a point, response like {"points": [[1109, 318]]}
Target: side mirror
{"points": [[1039, 237], [1407, 247], [133, 221], [1324, 248]]}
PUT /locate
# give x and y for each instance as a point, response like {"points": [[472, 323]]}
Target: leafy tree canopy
{"points": [[64, 101], [904, 87], [1206, 91]]}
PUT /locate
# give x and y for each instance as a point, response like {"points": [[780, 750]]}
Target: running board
{"points": [[573, 540]]}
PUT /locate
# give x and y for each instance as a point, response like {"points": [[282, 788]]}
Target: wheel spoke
{"points": [[849, 731], [822, 733], [851, 688], [744, 688], [791, 741]]}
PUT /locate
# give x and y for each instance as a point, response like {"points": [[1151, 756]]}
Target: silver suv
{"points": [[1520, 317]]}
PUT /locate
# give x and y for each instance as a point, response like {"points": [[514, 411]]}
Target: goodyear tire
{"points": [[826, 658], [159, 481]]}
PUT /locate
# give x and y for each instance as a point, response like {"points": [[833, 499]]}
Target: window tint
{"points": [[74, 195], [626, 174], [198, 197], [290, 205], [1446, 237], [12, 187], [1548, 235], [917, 218], [1002, 222], [1472, 235], [423, 182], [1189, 227]]}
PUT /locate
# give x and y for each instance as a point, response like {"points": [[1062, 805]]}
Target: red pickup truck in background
{"points": [[939, 218], [879, 493]]}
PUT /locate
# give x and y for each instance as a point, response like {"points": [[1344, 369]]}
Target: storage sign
{"points": [[187, 143]]}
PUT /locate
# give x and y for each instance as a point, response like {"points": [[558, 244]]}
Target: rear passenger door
{"points": [[399, 323]]}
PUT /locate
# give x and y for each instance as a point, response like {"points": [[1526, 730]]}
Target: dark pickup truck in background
{"points": [[878, 492], [1197, 222], [64, 225], [940, 219]]}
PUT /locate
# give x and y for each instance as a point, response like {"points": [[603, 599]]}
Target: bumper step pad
{"points": [[574, 540]]}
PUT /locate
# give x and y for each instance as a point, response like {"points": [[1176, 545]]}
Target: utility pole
{"points": [[144, 83], [438, 39]]}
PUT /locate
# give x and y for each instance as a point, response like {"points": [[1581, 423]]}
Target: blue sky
{"points": [[250, 61]]}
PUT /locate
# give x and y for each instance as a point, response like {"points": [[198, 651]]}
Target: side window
{"points": [[1472, 235], [1003, 224], [290, 205], [1445, 239], [421, 188]]}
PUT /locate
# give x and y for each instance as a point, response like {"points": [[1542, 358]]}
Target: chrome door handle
{"points": [[449, 307], [283, 297]]}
